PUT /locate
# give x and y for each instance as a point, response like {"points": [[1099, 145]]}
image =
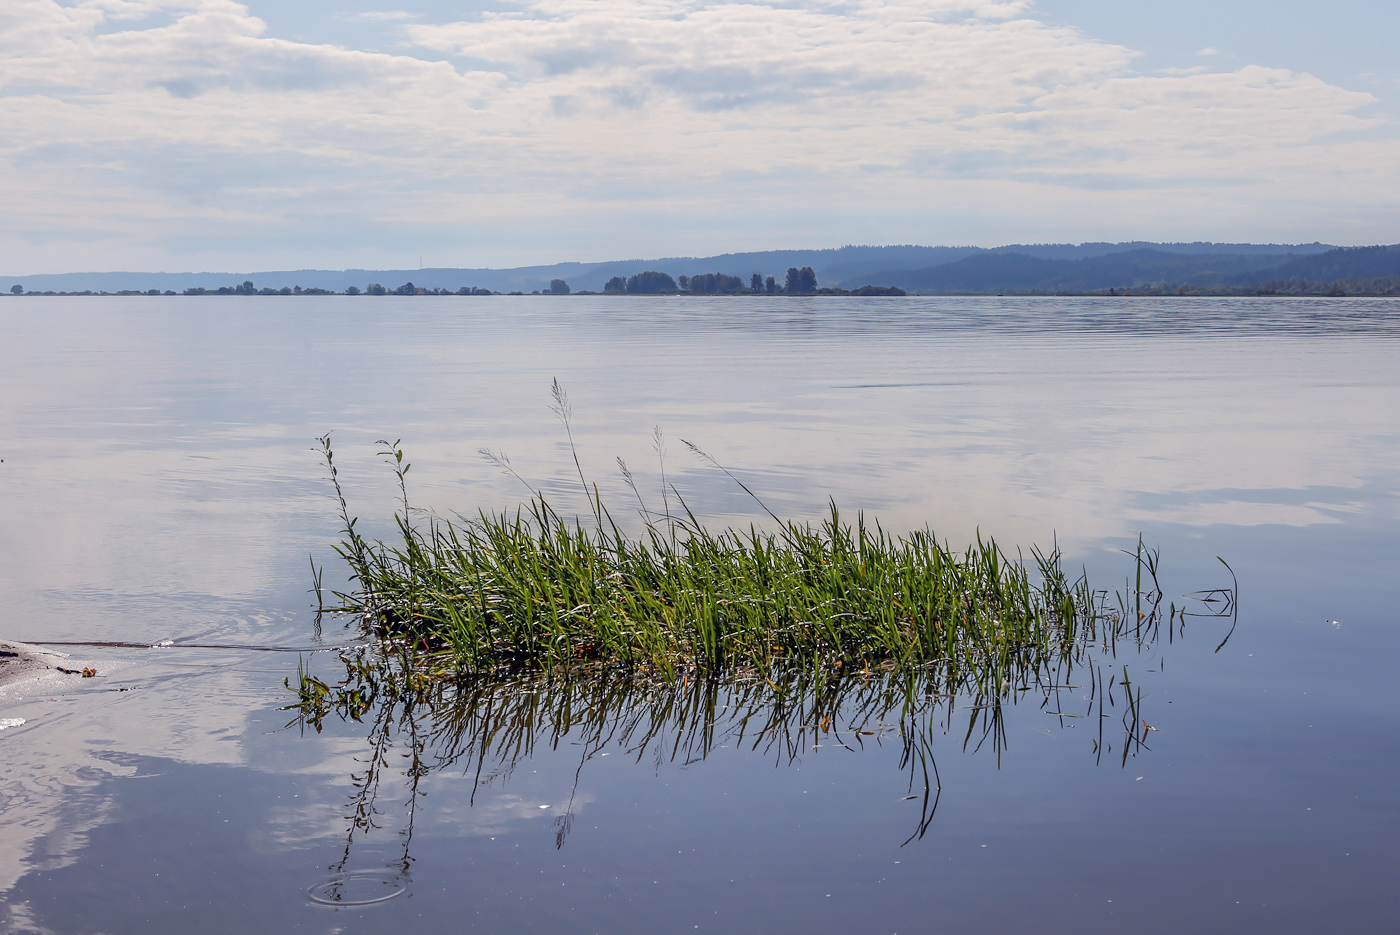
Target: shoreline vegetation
{"points": [[799, 282]]}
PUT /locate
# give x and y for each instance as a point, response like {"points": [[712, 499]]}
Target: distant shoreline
{"points": [[1087, 269], [824, 293]]}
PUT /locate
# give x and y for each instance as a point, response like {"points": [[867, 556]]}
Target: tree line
{"points": [[798, 282], [248, 288]]}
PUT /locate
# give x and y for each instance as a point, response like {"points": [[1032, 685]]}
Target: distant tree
{"points": [[616, 284], [800, 281], [17, 290], [558, 287], [375, 288], [407, 288], [684, 283], [878, 290], [195, 290], [352, 290], [756, 283], [716, 284], [168, 292], [770, 285], [650, 283], [284, 291], [152, 292]]}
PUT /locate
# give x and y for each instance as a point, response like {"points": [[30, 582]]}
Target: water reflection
{"points": [[485, 725]]}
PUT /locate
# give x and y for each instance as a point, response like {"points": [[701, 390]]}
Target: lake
{"points": [[160, 489]]}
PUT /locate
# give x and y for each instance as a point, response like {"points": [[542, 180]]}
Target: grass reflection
{"points": [[483, 725]]}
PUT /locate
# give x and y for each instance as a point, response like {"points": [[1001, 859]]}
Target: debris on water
{"points": [[6, 722], [89, 673], [162, 643]]}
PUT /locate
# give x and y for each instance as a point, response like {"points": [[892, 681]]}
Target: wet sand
{"points": [[20, 662]]}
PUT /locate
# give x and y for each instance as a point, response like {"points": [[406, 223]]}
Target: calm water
{"points": [[158, 484]]}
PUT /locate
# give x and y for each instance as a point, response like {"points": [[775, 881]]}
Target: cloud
{"points": [[385, 16], [585, 112]]}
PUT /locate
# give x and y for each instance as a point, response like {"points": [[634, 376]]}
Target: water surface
{"points": [[158, 484]]}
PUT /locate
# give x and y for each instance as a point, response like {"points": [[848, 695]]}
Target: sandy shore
{"points": [[20, 662]]}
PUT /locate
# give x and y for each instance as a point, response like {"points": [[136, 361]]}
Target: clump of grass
{"points": [[517, 629], [533, 589]]}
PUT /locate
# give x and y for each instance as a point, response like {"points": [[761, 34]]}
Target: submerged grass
{"points": [[533, 589]]}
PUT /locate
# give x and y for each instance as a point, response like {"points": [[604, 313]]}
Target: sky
{"points": [[212, 135]]}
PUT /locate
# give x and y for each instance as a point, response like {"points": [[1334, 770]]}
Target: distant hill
{"points": [[1344, 263], [849, 267], [1313, 270], [997, 272], [1084, 251]]}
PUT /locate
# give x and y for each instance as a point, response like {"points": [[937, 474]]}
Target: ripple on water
{"points": [[358, 887]]}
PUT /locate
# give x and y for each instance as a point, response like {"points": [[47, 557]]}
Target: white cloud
{"points": [[204, 134], [385, 16]]}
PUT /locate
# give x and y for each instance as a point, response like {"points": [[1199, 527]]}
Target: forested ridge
{"points": [[1345, 271]]}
